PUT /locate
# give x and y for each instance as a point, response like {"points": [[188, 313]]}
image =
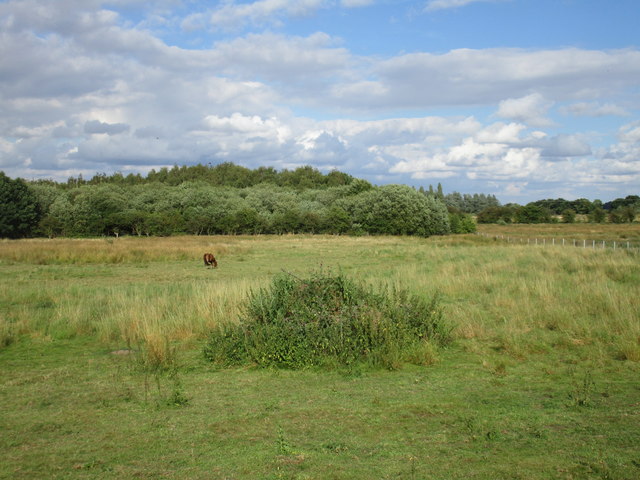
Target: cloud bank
{"points": [[83, 89]]}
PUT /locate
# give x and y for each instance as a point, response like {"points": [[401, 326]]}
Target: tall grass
{"points": [[526, 300], [109, 250], [133, 291], [608, 232]]}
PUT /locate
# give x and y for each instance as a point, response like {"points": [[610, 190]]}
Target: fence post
{"points": [[584, 243]]}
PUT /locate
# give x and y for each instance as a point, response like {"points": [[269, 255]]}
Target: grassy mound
{"points": [[330, 320]]}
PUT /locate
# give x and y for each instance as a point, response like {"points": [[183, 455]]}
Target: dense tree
{"points": [[629, 201], [19, 208], [623, 214], [496, 215], [231, 199], [399, 210], [559, 205], [568, 215], [597, 215], [532, 213], [336, 220]]}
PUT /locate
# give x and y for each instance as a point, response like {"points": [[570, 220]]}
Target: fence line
{"points": [[577, 243]]}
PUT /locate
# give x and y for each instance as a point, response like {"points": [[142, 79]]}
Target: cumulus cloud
{"points": [[471, 77], [283, 58], [531, 109], [565, 146]]}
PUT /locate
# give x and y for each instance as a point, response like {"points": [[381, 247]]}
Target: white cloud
{"points": [[235, 15], [433, 5], [501, 133], [282, 58], [98, 127], [594, 109], [531, 109], [565, 146], [472, 77], [356, 3], [630, 133]]}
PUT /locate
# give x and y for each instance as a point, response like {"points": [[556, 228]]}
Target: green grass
{"points": [[541, 380]]}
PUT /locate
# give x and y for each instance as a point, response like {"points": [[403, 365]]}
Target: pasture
{"points": [[102, 373]]}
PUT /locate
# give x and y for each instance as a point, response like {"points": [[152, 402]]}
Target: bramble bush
{"points": [[328, 320]]}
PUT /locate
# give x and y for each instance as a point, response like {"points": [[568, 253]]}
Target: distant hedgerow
{"points": [[329, 320]]}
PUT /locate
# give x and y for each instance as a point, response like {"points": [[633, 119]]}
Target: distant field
{"points": [[620, 233], [540, 381]]}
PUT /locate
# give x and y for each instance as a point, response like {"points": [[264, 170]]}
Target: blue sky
{"points": [[523, 99]]}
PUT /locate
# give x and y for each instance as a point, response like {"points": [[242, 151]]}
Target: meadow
{"points": [[102, 372]]}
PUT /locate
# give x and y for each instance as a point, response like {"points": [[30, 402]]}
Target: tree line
{"points": [[231, 199], [620, 210], [221, 199]]}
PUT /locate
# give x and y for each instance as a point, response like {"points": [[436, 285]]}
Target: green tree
{"points": [[496, 215], [95, 206], [597, 215], [622, 214], [336, 220], [461, 222], [569, 216], [533, 213], [399, 210], [19, 209]]}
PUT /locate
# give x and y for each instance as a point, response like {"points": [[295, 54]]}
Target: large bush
{"points": [[399, 210], [329, 320]]}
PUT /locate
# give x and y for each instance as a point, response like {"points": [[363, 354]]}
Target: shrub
{"points": [[461, 222], [329, 320]]}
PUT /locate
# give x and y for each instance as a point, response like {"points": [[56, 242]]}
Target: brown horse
{"points": [[210, 260]]}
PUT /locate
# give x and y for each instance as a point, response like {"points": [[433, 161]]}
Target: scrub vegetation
{"points": [[527, 366]]}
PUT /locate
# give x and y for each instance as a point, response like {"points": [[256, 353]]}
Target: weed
{"points": [[177, 398], [329, 320], [582, 392]]}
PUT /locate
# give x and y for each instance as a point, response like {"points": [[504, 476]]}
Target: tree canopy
{"points": [[232, 199], [19, 209]]}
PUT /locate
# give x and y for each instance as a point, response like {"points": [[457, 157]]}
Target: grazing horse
{"points": [[210, 260]]}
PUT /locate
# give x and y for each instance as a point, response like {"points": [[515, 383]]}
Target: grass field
{"points": [[102, 373]]}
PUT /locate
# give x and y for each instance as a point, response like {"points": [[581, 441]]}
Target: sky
{"points": [[521, 99]]}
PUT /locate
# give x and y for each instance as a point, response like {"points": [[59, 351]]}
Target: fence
{"points": [[562, 242]]}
